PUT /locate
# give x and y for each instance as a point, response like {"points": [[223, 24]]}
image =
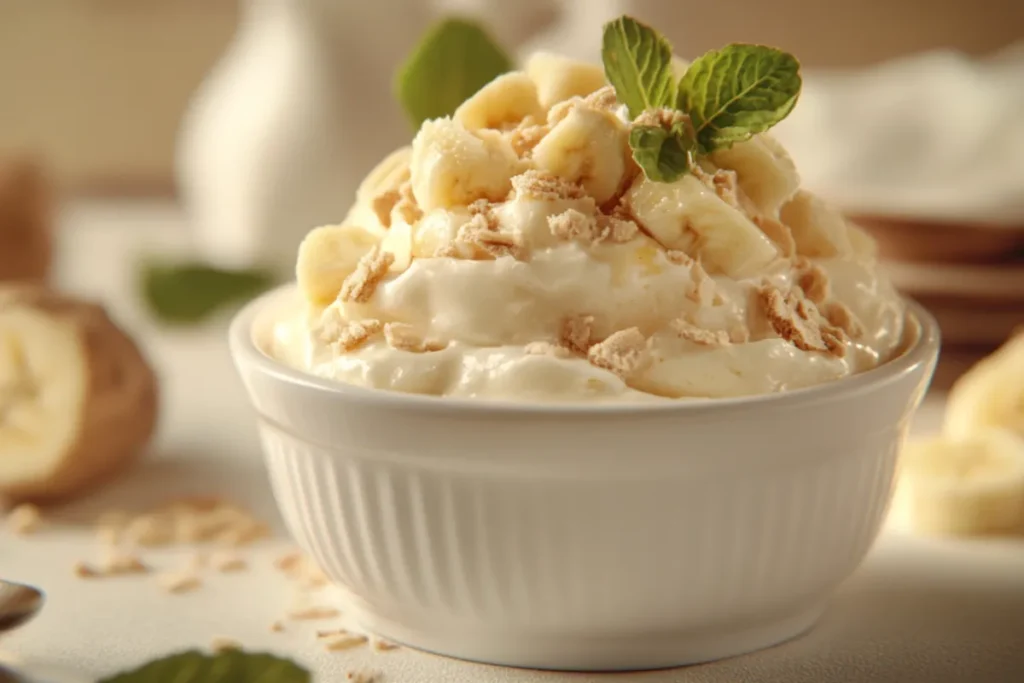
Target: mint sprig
{"points": [[638, 63], [736, 92], [189, 292], [455, 58], [728, 95], [232, 666]]}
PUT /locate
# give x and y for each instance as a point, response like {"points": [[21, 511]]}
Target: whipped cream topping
{"points": [[516, 252]]}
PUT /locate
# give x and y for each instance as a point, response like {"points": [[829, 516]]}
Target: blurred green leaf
{"points": [[232, 666], [187, 293], [454, 59]]}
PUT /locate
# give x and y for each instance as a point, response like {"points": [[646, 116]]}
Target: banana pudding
{"points": [[555, 239]]}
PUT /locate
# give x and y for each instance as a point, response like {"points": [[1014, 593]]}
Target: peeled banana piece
{"points": [[506, 100], [966, 485], [558, 78], [688, 216], [588, 146], [819, 229], [327, 256], [990, 394], [78, 401], [764, 170]]}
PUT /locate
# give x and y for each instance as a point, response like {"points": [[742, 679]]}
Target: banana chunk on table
{"points": [[78, 401]]}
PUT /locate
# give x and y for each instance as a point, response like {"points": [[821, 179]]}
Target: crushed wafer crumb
{"points": [[680, 258], [602, 98], [149, 531], [572, 225], [354, 334], [779, 233], [384, 204], [813, 280], [331, 633], [362, 677], [227, 563], [793, 318], [404, 337], [362, 283], [381, 645], [624, 352], [724, 183], [221, 644], [481, 234], [739, 334], [702, 286], [662, 117], [277, 627], [616, 229], [577, 333], [698, 335], [344, 642], [84, 570], [180, 583], [407, 207], [289, 563], [524, 138], [118, 564], [839, 315], [24, 520], [313, 613], [535, 184], [545, 348]]}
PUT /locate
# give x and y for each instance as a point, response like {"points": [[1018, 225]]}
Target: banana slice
{"points": [[558, 78], [505, 101], [398, 241], [78, 402], [388, 175], [990, 394], [589, 147], [764, 171], [688, 216], [818, 228], [327, 256], [964, 485], [452, 166]]}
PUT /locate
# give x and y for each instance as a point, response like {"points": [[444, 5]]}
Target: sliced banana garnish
{"points": [[990, 394], [506, 100], [688, 216], [764, 170], [452, 166], [588, 146], [967, 485], [327, 256], [77, 399], [558, 78]]}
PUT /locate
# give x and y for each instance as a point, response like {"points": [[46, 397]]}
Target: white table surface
{"points": [[918, 610]]}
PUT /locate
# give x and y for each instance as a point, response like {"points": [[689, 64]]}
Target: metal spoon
{"points": [[18, 604]]}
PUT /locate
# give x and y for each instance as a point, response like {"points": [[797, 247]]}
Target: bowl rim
{"points": [[246, 354]]}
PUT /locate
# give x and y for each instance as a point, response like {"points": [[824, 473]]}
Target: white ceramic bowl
{"points": [[583, 537]]}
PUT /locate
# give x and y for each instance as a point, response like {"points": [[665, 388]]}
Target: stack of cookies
{"points": [[970, 276]]}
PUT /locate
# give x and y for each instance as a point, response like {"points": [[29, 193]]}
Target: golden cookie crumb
{"points": [[615, 229], [405, 338], [372, 268], [525, 137], [680, 258], [407, 207], [793, 319], [662, 117], [481, 234], [384, 204], [313, 613], [228, 563], [361, 677], [121, 564], [624, 352], [813, 280], [180, 583], [289, 562], [698, 335], [839, 315], [779, 233], [85, 571], [573, 225], [723, 182], [603, 99], [577, 332], [344, 642], [277, 627], [534, 184], [24, 520]]}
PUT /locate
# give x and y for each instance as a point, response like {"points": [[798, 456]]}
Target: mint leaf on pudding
{"points": [[638, 63], [454, 59], [736, 92], [664, 152], [189, 292], [232, 666]]}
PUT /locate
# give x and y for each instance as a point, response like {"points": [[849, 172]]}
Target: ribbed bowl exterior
{"points": [[585, 539]]}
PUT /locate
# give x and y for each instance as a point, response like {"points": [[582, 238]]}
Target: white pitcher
{"points": [[289, 121]]}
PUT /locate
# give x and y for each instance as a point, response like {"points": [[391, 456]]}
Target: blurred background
{"points": [[239, 124]]}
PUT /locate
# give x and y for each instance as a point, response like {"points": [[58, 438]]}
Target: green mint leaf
{"points": [[638, 62], [233, 666], [664, 154], [189, 292], [736, 92], [454, 59]]}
